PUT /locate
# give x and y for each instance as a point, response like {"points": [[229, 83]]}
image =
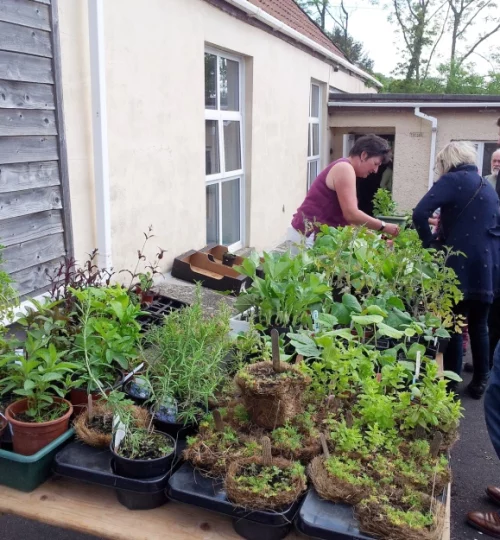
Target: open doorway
{"points": [[367, 187]]}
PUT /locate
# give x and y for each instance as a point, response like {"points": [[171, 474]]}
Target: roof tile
{"points": [[289, 13]]}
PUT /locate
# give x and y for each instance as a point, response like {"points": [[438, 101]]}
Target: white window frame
{"points": [[480, 154], [313, 120], [220, 116]]}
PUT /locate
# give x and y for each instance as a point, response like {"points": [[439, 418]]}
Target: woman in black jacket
{"points": [[469, 223]]}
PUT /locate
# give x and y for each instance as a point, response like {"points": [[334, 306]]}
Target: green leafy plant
{"points": [[383, 203]]}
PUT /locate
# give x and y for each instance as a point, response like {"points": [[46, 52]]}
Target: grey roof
{"points": [[412, 98]]}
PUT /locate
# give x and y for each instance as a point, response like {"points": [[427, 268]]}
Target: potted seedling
{"points": [[272, 391], [138, 452], [384, 208], [42, 377], [263, 482]]}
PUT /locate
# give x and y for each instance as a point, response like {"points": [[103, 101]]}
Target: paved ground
{"points": [[474, 466]]}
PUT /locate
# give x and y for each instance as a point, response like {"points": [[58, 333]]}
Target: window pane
{"points": [[229, 85], [212, 160], [232, 145], [213, 213], [315, 139], [231, 212], [210, 81], [314, 101], [312, 172]]}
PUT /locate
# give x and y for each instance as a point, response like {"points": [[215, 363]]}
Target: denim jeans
{"points": [[492, 403], [476, 315]]}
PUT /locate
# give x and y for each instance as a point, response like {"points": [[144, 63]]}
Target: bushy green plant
{"points": [[383, 203], [109, 336], [189, 358]]}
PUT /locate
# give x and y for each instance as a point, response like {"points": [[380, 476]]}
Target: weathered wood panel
{"points": [[23, 203], [25, 13], [26, 40], [25, 149], [43, 1], [26, 68], [61, 134], [19, 95], [26, 228], [35, 278], [32, 253], [19, 176], [15, 122]]}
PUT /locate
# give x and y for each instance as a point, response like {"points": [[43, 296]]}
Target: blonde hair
{"points": [[454, 154]]}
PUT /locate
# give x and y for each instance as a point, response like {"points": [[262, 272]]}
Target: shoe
{"points": [[493, 493], [486, 522], [476, 389], [468, 367]]}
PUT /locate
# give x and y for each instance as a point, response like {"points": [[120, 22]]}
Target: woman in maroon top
{"points": [[332, 198]]}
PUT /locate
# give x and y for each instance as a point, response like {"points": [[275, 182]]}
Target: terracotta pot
{"points": [[29, 437]]}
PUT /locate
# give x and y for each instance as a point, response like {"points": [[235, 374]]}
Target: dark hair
{"points": [[498, 122], [373, 145]]}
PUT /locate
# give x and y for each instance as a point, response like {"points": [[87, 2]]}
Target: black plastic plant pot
{"points": [[95, 465], [133, 392], [144, 468], [189, 486], [177, 430], [443, 344]]}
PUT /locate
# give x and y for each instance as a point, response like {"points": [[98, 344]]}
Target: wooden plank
{"points": [[95, 510], [25, 13], [26, 149], [35, 278], [61, 133], [21, 176], [23, 229], [19, 95], [35, 252], [24, 67], [43, 1], [15, 122], [26, 40], [30, 201]]}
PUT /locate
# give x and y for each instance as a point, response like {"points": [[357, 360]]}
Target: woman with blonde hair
{"points": [[469, 224]]}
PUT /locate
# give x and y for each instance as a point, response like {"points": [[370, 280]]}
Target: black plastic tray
{"points": [[189, 486], [161, 306], [95, 465], [326, 520]]}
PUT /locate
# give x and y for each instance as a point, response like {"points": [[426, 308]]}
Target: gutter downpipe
{"points": [[100, 132], [432, 159], [275, 24]]}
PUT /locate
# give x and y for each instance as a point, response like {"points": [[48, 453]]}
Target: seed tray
{"points": [[160, 307]]}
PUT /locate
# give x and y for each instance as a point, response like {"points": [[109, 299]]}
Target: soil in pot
{"points": [[27, 436], [144, 454], [265, 482]]}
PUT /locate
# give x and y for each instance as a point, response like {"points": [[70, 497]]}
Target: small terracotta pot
{"points": [[30, 437]]}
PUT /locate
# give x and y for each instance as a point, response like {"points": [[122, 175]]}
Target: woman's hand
{"points": [[391, 229]]}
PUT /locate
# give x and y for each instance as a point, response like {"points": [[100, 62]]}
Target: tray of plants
{"points": [[97, 466], [190, 486], [160, 307]]}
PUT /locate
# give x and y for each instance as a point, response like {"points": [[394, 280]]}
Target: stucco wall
{"points": [[412, 140], [155, 99]]}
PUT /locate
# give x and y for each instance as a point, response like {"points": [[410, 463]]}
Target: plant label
{"points": [[315, 317], [19, 352], [119, 429]]}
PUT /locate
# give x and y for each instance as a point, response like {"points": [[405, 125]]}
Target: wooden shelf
{"points": [[95, 510]]}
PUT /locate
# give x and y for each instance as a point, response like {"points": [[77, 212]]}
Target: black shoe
{"points": [[468, 367], [476, 389], [452, 387]]}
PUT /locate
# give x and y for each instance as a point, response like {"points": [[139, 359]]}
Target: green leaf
{"points": [[452, 376], [396, 302], [327, 320], [341, 313], [29, 385], [351, 303], [376, 310], [410, 366], [414, 350], [442, 333], [410, 332], [386, 330], [365, 320]]}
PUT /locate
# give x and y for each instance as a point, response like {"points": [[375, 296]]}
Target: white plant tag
{"points": [[18, 352], [315, 316], [119, 430], [418, 363]]}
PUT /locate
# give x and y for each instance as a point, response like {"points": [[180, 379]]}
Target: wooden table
{"points": [[95, 510]]}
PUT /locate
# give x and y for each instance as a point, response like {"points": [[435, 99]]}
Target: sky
{"points": [[369, 24]]}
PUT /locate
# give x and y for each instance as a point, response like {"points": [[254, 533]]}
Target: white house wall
{"points": [[155, 98]]}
